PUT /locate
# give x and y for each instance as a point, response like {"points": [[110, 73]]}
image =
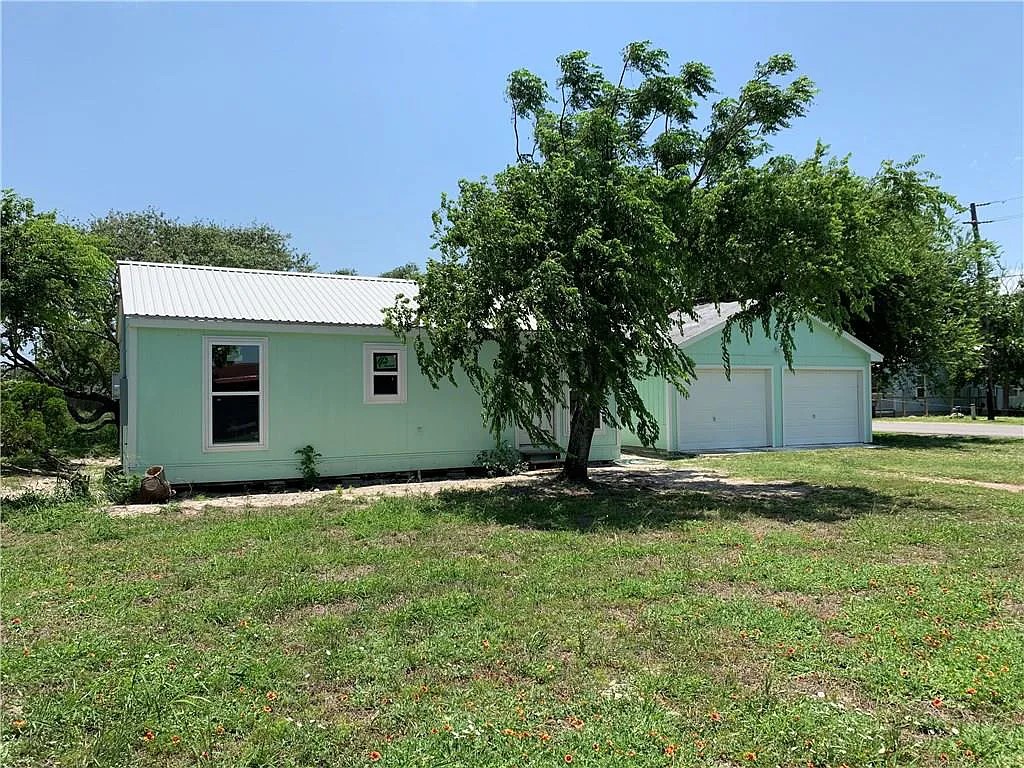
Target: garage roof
{"points": [[710, 318], [151, 289]]}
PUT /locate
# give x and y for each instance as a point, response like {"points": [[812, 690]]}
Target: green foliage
{"points": [[151, 235], [1005, 335], [345, 271], [121, 488], [57, 317], [36, 424], [93, 443], [570, 269], [308, 464], [408, 271], [501, 460]]}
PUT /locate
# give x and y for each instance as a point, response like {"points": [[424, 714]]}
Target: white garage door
{"points": [[821, 407], [720, 413]]}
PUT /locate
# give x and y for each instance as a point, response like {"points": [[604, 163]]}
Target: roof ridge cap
{"points": [[247, 270]]}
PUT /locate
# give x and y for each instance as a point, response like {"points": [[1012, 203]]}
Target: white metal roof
{"points": [[218, 293], [708, 318]]}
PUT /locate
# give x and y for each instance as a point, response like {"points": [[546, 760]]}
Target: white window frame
{"points": [[368, 374], [208, 344]]}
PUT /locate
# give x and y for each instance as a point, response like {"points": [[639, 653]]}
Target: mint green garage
{"points": [[226, 372], [824, 400]]}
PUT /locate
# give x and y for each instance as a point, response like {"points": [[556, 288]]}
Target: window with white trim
{"points": [[235, 391], [384, 374]]}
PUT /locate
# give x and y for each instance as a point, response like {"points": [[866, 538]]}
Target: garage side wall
{"points": [[314, 395], [654, 393]]}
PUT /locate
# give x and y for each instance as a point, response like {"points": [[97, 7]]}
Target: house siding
{"points": [[653, 393], [314, 396]]}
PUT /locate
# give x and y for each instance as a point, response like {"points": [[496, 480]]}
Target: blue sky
{"points": [[343, 123]]}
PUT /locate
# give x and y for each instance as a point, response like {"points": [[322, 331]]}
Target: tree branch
{"points": [[20, 361]]}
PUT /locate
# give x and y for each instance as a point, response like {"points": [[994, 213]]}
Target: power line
{"points": [[994, 202], [992, 221]]}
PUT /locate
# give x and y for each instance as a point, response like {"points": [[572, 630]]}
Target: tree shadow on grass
{"points": [[931, 442], [658, 498]]}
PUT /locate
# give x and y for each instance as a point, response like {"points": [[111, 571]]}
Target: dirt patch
{"points": [[918, 554], [1011, 487], [812, 532], [1013, 608], [816, 685], [655, 477], [316, 611], [823, 607], [347, 573]]}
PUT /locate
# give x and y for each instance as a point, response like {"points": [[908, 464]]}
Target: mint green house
{"points": [[824, 400], [226, 372]]}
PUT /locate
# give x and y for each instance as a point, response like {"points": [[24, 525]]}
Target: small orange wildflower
{"points": [[937, 703], [268, 710], [670, 750], [971, 691], [219, 729], [16, 621], [20, 723], [175, 739], [544, 736], [716, 716], [148, 736], [750, 756], [568, 758], [375, 756], [271, 695]]}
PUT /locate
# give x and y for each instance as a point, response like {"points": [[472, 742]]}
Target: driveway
{"points": [[979, 428]]}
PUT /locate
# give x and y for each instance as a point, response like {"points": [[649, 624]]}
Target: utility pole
{"points": [[990, 398]]}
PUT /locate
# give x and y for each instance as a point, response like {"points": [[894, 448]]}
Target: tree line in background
{"points": [[58, 340], [620, 212]]}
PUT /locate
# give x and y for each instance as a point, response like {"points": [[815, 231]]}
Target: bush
{"points": [[309, 461], [500, 460], [36, 423], [93, 443], [119, 487]]}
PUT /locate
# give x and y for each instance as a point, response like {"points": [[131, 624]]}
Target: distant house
{"points": [[824, 400], [918, 394], [226, 372]]}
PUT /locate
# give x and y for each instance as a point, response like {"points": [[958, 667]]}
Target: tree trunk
{"points": [[990, 398], [581, 435]]}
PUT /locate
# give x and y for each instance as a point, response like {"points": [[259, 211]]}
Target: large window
{"points": [[235, 393], [384, 373]]}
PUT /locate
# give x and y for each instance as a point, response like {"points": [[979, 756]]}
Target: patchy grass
{"points": [[946, 419], [866, 620]]}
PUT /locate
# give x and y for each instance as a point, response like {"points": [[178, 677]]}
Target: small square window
{"points": [[384, 374]]}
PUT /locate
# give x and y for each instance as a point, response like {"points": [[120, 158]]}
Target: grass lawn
{"points": [[946, 419], [858, 617]]}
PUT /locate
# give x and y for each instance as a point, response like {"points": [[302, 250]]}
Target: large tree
{"points": [[568, 270], [409, 271], [59, 308]]}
